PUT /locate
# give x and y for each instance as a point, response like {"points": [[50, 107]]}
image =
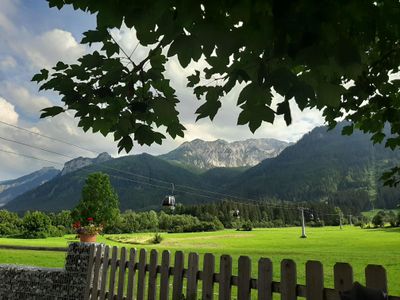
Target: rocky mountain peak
{"points": [[220, 153], [80, 162]]}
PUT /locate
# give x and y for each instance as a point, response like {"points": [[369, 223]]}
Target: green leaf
{"points": [[164, 110], [347, 130], [157, 60], [56, 3], [60, 66], [94, 36], [126, 144], [175, 129], [329, 94], [392, 143], [378, 137], [187, 48], [254, 93], [212, 105], [193, 79], [111, 48], [102, 125], [284, 109], [282, 80], [85, 123], [51, 111], [43, 75]]}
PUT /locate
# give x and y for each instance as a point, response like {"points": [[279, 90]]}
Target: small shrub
{"points": [[36, 225], [157, 239], [246, 226]]}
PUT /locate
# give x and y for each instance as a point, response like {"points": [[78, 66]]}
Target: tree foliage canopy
{"points": [[99, 201], [336, 56]]}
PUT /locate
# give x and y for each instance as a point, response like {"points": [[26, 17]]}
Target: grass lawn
{"points": [[329, 245]]}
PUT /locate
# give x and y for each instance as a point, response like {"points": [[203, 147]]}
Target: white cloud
{"points": [[7, 8], [7, 112], [24, 101], [45, 50], [7, 62]]}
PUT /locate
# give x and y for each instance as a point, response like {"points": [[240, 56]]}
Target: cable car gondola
{"points": [[169, 200]]}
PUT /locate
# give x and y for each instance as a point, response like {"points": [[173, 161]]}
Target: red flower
{"points": [[90, 219], [77, 224]]}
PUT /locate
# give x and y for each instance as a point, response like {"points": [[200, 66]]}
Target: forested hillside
{"points": [[141, 181], [323, 166]]}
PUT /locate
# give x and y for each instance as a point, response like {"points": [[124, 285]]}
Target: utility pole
{"points": [[340, 221], [303, 224], [350, 221]]}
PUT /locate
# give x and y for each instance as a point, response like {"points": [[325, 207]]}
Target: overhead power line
{"points": [[48, 137], [29, 156], [35, 147], [196, 192]]}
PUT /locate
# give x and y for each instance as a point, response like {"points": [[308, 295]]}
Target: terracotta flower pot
{"points": [[88, 238]]}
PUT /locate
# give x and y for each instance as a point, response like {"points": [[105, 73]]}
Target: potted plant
{"points": [[87, 230], [98, 207]]}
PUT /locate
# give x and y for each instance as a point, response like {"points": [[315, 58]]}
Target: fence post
{"points": [[96, 271], [193, 268], [225, 275], [131, 275], [164, 277], [375, 277], [343, 274], [178, 276], [288, 280], [314, 280], [152, 288], [208, 277], [89, 271], [114, 257], [141, 274], [264, 284], [121, 277], [244, 276], [104, 272]]}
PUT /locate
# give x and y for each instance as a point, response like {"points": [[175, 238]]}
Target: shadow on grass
{"points": [[385, 229]]}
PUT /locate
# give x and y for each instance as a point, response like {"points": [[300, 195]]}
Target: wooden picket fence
{"points": [[124, 275]]}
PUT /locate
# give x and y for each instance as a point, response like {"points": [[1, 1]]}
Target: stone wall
{"points": [[31, 283]]}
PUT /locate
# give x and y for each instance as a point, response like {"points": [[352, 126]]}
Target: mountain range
{"points": [[322, 166], [10, 189], [220, 153]]}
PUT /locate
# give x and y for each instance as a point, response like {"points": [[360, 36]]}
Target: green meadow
{"points": [[359, 247]]}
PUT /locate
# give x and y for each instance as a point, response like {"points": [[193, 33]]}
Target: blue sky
{"points": [[33, 36]]}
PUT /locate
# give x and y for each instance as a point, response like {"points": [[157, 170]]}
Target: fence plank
{"points": [[96, 271], [178, 276], [343, 274], [141, 274], [131, 275], [225, 275], [152, 287], [104, 272], [244, 276], [164, 276], [208, 277], [193, 268], [264, 279], [121, 277], [375, 277], [288, 280], [314, 280], [111, 288], [90, 269]]}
